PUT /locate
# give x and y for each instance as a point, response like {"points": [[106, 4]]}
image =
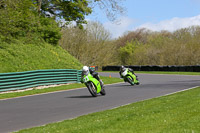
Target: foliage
{"points": [[16, 19], [161, 48], [127, 52], [19, 19], [138, 35], [76, 10], [140, 47], [89, 46], [49, 30], [70, 10]]}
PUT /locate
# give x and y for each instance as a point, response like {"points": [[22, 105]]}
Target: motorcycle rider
{"points": [[122, 69], [86, 70]]}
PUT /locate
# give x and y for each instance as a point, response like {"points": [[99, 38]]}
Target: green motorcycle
{"points": [[130, 77], [93, 85]]}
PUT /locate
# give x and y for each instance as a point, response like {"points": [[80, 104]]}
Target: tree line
{"points": [[94, 46], [145, 47]]}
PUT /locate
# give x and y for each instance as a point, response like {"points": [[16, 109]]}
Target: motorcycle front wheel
{"points": [[92, 89], [103, 92], [130, 81]]}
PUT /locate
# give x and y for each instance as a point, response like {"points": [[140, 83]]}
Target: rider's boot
{"points": [[137, 81]]}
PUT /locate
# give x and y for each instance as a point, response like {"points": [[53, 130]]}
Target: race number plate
{"points": [[86, 79]]}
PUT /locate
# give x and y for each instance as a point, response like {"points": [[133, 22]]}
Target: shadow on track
{"points": [[124, 85], [88, 96], [80, 97]]}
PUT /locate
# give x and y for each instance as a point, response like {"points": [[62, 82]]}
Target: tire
{"points": [[138, 83], [103, 92], [130, 81], [92, 89]]}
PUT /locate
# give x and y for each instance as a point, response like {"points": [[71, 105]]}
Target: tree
{"points": [[69, 10], [140, 35], [19, 18], [76, 10], [16, 18], [1, 4], [112, 8], [39, 4], [97, 31], [89, 45]]}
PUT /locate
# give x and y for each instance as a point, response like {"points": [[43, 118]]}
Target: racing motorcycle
{"points": [[130, 77], [93, 85]]}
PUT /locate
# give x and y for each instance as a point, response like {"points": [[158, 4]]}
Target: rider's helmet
{"points": [[122, 68], [85, 70]]}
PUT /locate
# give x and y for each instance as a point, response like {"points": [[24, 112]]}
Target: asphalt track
{"points": [[37, 110]]}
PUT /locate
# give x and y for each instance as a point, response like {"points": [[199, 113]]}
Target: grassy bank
{"points": [[26, 57], [106, 80], [175, 113]]}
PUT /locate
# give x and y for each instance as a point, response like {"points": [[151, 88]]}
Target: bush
{"points": [[49, 30]]}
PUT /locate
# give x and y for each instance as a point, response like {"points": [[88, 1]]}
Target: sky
{"points": [[155, 15]]}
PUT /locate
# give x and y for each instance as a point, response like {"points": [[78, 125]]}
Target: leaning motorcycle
{"points": [[93, 85], [130, 77]]}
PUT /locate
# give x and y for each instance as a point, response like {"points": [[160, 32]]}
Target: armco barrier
{"points": [[22, 80], [156, 68]]}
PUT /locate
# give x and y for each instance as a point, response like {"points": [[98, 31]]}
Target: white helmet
{"points": [[122, 68], [85, 70]]}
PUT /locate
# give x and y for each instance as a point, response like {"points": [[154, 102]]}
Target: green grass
{"points": [[26, 57], [106, 80], [177, 113], [161, 72]]}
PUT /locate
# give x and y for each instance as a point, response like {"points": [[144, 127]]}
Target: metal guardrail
{"points": [[28, 79]]}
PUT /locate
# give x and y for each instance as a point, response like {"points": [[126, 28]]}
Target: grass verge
{"points": [[106, 80], [161, 72], [175, 113]]}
